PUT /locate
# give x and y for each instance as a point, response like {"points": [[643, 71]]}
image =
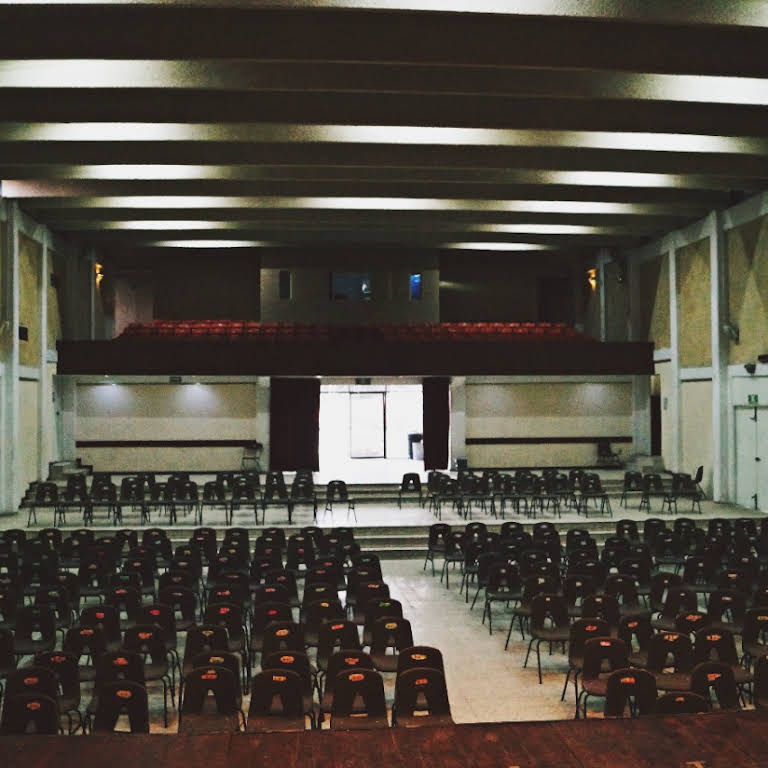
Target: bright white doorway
{"points": [[366, 432]]}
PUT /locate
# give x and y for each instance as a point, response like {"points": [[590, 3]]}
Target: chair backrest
{"points": [[123, 697], [212, 682], [666, 646], [411, 482], [420, 656], [34, 679], [205, 637], [715, 677], [30, 713], [276, 686], [549, 608], [630, 682], [602, 652], [358, 685], [718, 643], [391, 632], [283, 636], [120, 665], [683, 703], [636, 630], [421, 689]]}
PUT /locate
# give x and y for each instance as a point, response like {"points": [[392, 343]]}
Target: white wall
{"points": [[29, 430], [541, 409], [696, 404], [170, 412]]}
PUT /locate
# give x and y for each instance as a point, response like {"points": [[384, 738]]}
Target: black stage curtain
{"points": [[437, 416], [294, 424]]}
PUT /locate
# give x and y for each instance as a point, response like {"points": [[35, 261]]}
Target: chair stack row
{"points": [[110, 612], [142, 495], [674, 597], [523, 492]]}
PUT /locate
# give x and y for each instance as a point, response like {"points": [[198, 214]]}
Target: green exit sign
{"points": [[751, 399]]}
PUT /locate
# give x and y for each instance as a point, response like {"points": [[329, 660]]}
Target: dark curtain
{"points": [[437, 416], [294, 424]]}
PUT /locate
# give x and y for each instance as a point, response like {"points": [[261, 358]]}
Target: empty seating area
{"points": [[522, 492], [280, 633], [149, 500], [328, 334], [663, 617]]}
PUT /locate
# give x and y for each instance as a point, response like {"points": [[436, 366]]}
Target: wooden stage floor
{"points": [[692, 741]]}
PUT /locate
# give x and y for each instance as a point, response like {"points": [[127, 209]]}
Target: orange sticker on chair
{"points": [[355, 677], [209, 675], [591, 628], [390, 625], [272, 612], [712, 676], [207, 632], [124, 694], [223, 610], [58, 659], [418, 656], [282, 632], [33, 705], [421, 682], [120, 661], [287, 659], [628, 681], [154, 611], [351, 661], [714, 638], [279, 678], [694, 617], [215, 659], [87, 631], [31, 680], [121, 591], [145, 635]]}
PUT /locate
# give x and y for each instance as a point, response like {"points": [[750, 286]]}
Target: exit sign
{"points": [[751, 399]]}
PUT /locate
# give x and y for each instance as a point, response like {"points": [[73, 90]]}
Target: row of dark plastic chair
{"points": [[552, 583]]}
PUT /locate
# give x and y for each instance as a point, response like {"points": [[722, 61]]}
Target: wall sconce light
{"points": [[99, 272], [750, 368], [731, 331], [592, 278]]}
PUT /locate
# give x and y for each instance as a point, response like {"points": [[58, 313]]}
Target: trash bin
{"points": [[415, 446]]}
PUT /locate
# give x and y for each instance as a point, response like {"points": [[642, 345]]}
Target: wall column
{"points": [[603, 257], [458, 418], [67, 396], [674, 410], [641, 414], [10, 490], [719, 314], [45, 427]]}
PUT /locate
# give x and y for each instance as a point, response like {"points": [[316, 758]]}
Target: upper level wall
{"points": [[651, 294], [747, 248], [30, 259], [507, 287], [693, 302], [310, 276]]}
